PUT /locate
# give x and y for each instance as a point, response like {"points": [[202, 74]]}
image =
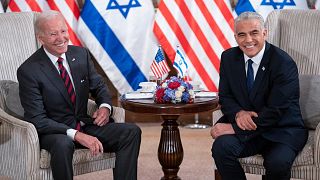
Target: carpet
{"points": [[197, 163]]}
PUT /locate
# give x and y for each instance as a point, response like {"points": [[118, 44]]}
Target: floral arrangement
{"points": [[174, 90]]}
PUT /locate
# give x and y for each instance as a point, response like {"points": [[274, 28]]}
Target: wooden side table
{"points": [[170, 150]]}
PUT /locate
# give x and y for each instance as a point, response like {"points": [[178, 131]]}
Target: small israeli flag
{"points": [[180, 63]]}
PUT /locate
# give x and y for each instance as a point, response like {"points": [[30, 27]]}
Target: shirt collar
{"points": [[54, 58], [256, 59]]}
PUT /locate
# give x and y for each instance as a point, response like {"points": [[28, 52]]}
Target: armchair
{"points": [[297, 33], [21, 157]]}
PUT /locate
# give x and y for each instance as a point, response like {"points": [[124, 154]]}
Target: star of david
{"points": [[277, 4], [124, 8]]}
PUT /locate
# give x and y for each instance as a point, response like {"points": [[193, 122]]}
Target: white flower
{"points": [[181, 88], [164, 85], [178, 94], [191, 92]]}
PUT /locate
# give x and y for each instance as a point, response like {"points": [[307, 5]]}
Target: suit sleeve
{"points": [[229, 105], [284, 94], [32, 102], [98, 88]]}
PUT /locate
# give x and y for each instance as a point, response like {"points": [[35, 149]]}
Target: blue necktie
{"points": [[250, 76]]}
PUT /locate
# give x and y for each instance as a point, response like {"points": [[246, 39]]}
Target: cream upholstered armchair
{"points": [[297, 32], [20, 154]]}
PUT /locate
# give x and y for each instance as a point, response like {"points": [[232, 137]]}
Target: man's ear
{"points": [[39, 38], [265, 34]]}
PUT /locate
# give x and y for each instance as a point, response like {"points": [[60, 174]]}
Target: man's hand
{"points": [[101, 116], [244, 120], [221, 129], [90, 142]]}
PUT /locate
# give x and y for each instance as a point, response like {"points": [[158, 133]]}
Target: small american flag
{"points": [[159, 66]]}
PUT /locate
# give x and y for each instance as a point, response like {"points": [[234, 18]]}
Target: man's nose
{"points": [[248, 38]]}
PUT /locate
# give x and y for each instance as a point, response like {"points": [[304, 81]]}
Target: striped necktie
{"points": [[67, 82], [250, 75]]}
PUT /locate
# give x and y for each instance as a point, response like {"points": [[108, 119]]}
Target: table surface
{"points": [[150, 107]]}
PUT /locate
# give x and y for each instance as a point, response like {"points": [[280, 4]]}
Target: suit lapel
{"points": [[263, 68], [50, 71]]}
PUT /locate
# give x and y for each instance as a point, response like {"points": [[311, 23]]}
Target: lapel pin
{"points": [[73, 59], [263, 68], [81, 81]]}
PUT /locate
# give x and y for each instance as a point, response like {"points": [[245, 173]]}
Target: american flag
{"points": [[159, 66], [202, 28], [68, 8]]}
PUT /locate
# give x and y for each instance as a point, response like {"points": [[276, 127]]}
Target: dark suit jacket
{"points": [[44, 96], [274, 96]]}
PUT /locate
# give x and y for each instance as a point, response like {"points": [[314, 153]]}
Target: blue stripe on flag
{"points": [[242, 6], [176, 65], [112, 45], [182, 57]]}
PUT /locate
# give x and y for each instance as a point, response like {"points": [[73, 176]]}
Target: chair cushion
{"points": [[79, 156], [14, 107], [305, 157], [310, 99]]}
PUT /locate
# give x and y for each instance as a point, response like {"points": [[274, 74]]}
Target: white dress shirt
{"points": [[70, 132], [256, 61]]}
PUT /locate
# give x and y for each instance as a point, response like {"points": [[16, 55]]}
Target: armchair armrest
{"points": [[216, 115], [118, 113], [317, 146], [19, 147]]}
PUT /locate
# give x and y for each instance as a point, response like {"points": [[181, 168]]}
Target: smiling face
{"points": [[250, 36], [53, 34]]}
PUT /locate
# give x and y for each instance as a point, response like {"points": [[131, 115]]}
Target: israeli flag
{"points": [[264, 7], [180, 63], [119, 35]]}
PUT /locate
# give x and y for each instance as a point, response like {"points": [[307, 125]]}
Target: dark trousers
{"points": [[122, 138], [278, 158]]}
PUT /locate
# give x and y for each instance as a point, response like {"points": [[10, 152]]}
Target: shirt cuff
{"points": [[107, 106], [71, 133]]}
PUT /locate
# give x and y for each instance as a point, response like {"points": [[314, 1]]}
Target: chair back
{"points": [[18, 42], [297, 32]]}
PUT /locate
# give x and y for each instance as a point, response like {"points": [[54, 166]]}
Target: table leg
{"points": [[170, 151]]}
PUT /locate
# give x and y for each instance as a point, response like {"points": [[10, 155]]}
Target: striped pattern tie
{"points": [[67, 82]]}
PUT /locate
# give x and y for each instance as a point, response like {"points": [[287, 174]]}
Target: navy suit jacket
{"points": [[44, 96], [274, 96]]}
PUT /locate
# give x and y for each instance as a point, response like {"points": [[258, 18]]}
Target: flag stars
{"points": [[278, 4], [124, 9]]}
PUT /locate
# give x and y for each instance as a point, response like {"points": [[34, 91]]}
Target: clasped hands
{"points": [[101, 118], [243, 119]]}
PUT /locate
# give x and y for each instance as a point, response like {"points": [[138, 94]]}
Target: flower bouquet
{"points": [[174, 90]]}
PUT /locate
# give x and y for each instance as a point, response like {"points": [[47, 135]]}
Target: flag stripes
{"points": [[69, 9], [265, 7], [203, 33], [159, 65], [112, 46], [123, 44]]}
